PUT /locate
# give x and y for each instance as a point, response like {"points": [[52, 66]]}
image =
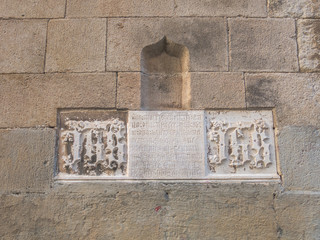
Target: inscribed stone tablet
{"points": [[166, 145]]}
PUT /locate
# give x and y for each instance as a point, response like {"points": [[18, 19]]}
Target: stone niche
{"points": [[166, 145], [165, 78]]}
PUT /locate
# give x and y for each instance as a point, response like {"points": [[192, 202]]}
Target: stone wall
{"points": [[79, 54]]}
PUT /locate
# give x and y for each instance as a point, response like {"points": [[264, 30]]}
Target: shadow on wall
{"points": [[165, 77]]}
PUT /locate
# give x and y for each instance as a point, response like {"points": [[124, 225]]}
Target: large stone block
{"points": [[119, 8], [31, 100], [27, 157], [249, 8], [76, 45], [142, 211], [217, 90], [22, 45], [208, 90], [32, 8], [263, 45], [206, 39], [298, 215], [299, 151], [296, 8], [295, 97], [309, 45], [128, 91]]}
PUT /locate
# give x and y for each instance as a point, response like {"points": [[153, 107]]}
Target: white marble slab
{"points": [[166, 145]]}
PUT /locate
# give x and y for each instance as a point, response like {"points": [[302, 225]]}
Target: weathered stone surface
{"points": [[263, 45], [76, 45], [299, 151], [26, 159], [164, 91], [31, 100], [32, 8], [128, 36], [142, 211], [249, 8], [241, 145], [298, 215], [217, 90], [128, 91], [92, 143], [296, 97], [296, 8], [119, 8], [22, 45], [309, 45], [166, 145]]}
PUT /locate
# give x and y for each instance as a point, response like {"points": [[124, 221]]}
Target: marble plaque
{"points": [[241, 144], [166, 145], [92, 143]]}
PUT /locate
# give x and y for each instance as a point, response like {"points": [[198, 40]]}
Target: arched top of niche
{"points": [[165, 57]]}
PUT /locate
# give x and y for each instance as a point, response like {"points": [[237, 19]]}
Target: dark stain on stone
{"points": [[279, 232], [274, 5], [259, 93], [166, 195], [316, 42]]}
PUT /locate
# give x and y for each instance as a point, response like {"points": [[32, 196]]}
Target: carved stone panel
{"points": [[166, 145], [241, 143], [93, 143]]}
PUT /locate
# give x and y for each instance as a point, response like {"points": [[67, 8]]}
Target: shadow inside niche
{"points": [[165, 78]]}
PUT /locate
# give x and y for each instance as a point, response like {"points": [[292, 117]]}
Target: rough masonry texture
{"points": [[61, 57]]}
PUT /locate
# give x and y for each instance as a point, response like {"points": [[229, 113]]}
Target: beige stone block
{"points": [[22, 45], [295, 97], [119, 8], [142, 211], [263, 45], [206, 39], [32, 8], [76, 45], [128, 91], [309, 45], [298, 215], [249, 8], [299, 151], [217, 90], [296, 8], [27, 157], [31, 100]]}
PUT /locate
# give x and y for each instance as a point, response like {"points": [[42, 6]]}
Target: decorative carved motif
{"points": [[238, 144], [94, 147]]}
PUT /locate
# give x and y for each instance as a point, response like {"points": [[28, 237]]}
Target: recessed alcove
{"points": [[165, 78]]}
